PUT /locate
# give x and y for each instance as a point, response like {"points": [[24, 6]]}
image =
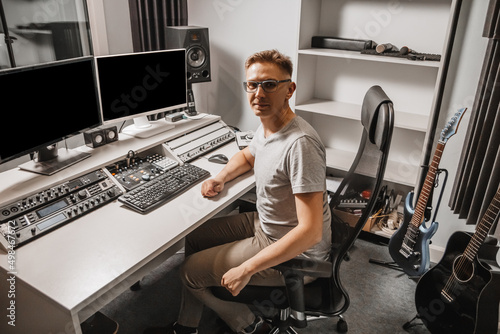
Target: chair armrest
{"points": [[306, 267]]}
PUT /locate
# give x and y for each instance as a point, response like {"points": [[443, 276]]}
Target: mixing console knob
{"points": [[82, 194], [111, 192], [33, 230]]}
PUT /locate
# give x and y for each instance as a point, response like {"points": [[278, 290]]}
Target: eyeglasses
{"points": [[268, 86]]}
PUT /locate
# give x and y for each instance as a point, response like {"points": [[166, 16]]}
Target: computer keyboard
{"points": [[163, 188]]}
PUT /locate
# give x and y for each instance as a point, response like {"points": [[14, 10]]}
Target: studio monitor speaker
{"points": [[99, 137], [195, 41]]}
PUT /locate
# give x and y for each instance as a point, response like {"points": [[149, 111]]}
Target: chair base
{"points": [[288, 330]]}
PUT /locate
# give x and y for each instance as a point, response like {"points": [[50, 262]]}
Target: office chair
{"points": [[326, 296]]}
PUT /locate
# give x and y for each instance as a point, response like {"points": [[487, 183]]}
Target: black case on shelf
{"points": [[341, 43]]}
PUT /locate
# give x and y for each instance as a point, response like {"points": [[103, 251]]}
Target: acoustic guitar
{"points": [[460, 295]]}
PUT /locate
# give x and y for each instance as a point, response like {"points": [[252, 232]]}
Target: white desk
{"points": [[69, 274]]}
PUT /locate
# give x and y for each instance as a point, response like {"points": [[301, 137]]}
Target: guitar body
{"points": [[418, 260], [458, 315]]}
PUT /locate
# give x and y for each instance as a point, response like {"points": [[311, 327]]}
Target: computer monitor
{"points": [[44, 104], [135, 85]]}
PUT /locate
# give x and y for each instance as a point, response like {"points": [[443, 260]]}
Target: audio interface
{"points": [[40, 213], [197, 143]]}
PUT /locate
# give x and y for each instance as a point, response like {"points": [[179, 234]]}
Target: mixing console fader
{"points": [[40, 213]]}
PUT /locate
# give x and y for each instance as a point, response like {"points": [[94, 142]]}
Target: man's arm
{"points": [[306, 234], [239, 164]]}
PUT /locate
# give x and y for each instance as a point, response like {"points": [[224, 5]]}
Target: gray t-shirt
{"points": [[291, 161]]}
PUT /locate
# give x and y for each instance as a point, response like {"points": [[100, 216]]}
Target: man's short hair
{"points": [[271, 56]]}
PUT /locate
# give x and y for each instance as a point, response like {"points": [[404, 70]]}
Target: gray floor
{"points": [[382, 299]]}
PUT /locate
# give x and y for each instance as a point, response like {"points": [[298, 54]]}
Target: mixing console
{"points": [[39, 213]]}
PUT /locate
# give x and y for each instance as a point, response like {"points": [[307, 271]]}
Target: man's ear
{"points": [[291, 90]]}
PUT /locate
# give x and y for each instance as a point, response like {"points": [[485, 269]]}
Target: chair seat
{"points": [[317, 300]]}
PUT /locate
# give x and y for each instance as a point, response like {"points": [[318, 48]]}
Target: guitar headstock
{"points": [[451, 127]]}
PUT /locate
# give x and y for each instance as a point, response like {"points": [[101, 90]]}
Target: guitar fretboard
{"points": [[463, 268], [483, 228], [418, 216]]}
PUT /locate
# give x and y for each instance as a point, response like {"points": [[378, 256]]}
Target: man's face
{"points": [[266, 104]]}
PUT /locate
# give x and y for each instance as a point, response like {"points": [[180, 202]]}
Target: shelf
{"points": [[359, 56], [402, 119], [30, 32], [325, 77], [396, 171]]}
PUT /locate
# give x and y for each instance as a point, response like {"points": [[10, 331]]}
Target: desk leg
{"points": [[33, 312]]}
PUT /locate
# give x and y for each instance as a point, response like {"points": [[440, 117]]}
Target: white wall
{"points": [[110, 26], [237, 29]]}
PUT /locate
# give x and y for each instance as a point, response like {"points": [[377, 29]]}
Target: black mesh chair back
{"points": [[350, 210]]}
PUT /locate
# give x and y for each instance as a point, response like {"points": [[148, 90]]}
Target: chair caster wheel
{"points": [[342, 326]]}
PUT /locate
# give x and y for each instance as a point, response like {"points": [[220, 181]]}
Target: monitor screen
{"points": [[141, 84], [44, 104]]}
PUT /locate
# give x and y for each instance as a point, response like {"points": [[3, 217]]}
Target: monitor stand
{"points": [[50, 160], [143, 128]]}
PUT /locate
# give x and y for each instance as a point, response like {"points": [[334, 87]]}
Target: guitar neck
{"points": [[427, 187], [483, 228]]}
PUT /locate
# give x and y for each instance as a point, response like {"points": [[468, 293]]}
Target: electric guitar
{"points": [[409, 245], [461, 294]]}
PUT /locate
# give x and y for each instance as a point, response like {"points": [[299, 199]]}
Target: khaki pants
{"points": [[211, 250]]}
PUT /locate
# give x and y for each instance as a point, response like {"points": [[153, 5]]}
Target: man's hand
{"points": [[235, 279], [239, 164], [211, 187]]}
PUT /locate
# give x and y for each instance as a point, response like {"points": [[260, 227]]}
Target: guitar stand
{"points": [[427, 214], [387, 264], [409, 324]]}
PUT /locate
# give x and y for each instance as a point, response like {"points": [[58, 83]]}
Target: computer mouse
{"points": [[218, 159]]}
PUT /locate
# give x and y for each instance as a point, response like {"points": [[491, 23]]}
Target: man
{"points": [[292, 215]]}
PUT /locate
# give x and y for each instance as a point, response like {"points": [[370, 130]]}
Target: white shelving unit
{"points": [[332, 83]]}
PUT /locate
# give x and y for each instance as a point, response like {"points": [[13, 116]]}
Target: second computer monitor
{"points": [[135, 85]]}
